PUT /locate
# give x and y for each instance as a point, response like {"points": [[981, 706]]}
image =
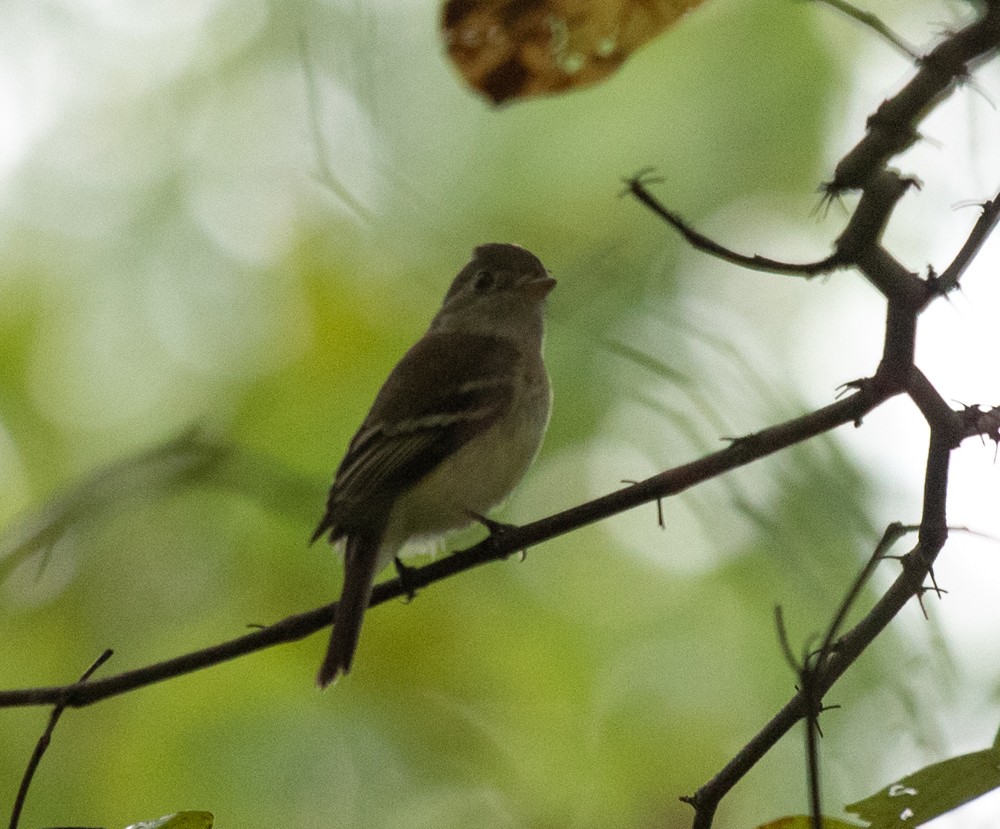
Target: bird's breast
{"points": [[484, 471]]}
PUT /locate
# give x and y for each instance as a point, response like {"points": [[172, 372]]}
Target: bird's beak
{"points": [[538, 288]]}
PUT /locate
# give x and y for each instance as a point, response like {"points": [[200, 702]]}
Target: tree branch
{"points": [[829, 668], [636, 186], [892, 128], [740, 452]]}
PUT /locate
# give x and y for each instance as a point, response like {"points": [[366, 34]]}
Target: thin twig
{"points": [[318, 134], [636, 186], [810, 668], [43, 744], [783, 639], [812, 753], [892, 534], [949, 279], [875, 24]]}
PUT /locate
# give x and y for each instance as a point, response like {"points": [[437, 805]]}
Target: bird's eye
{"points": [[483, 282]]}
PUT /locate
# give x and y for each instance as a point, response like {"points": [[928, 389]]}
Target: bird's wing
{"points": [[457, 385]]}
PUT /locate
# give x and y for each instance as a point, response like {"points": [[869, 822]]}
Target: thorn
{"points": [[638, 181], [852, 385], [830, 193], [937, 591], [659, 505], [405, 573]]}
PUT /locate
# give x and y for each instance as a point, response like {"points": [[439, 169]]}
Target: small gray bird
{"points": [[452, 431]]}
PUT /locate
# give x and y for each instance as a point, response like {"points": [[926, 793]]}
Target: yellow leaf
{"points": [[508, 49]]}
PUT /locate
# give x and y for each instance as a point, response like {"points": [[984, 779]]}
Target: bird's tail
{"points": [[360, 564]]}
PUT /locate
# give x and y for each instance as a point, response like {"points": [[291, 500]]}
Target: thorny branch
{"points": [[890, 130], [875, 24], [740, 452]]}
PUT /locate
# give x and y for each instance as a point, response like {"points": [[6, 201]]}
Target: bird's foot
{"points": [[495, 527]]}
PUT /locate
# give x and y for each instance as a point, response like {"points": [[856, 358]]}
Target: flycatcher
{"points": [[451, 432]]}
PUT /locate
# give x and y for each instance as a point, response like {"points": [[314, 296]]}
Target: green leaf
{"points": [[805, 822], [178, 820], [932, 791]]}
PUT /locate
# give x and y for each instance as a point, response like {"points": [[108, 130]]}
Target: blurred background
{"points": [[221, 224]]}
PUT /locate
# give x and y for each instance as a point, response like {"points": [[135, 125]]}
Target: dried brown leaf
{"points": [[508, 49]]}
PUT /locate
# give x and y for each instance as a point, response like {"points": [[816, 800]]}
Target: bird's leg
{"points": [[496, 528]]}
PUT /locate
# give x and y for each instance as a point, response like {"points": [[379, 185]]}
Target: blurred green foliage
{"points": [[237, 215]]}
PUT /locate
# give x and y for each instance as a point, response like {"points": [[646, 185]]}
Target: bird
{"points": [[450, 434]]}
